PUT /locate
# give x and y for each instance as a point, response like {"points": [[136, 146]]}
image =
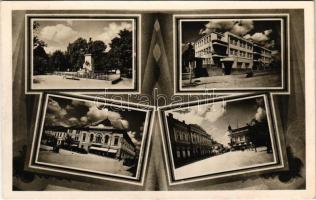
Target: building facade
{"points": [[254, 134], [189, 142], [231, 52], [100, 138]]}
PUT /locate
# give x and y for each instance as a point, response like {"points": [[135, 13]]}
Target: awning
{"points": [[112, 150], [104, 149]]}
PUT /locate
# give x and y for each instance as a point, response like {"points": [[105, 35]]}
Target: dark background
{"points": [[157, 71]]}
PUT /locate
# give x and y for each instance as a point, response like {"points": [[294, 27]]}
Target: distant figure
{"points": [[249, 74]]}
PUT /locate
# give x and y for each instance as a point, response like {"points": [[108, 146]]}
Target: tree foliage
{"points": [[121, 52], [58, 61], [75, 53], [120, 55]]}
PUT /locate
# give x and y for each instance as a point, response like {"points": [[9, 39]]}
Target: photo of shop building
{"points": [[229, 52], [189, 142], [99, 138], [254, 134]]}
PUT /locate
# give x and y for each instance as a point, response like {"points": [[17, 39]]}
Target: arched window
{"points": [[98, 139], [106, 139], [91, 137], [116, 140]]}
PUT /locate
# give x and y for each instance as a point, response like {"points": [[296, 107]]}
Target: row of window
{"points": [[98, 139], [202, 52], [183, 136], [240, 43], [56, 133], [239, 139], [208, 39], [187, 153], [240, 53]]}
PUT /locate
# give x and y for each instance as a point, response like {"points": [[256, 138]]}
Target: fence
{"points": [[98, 76]]}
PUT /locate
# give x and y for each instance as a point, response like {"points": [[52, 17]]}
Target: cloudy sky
{"points": [[215, 118], [265, 32], [59, 33], [69, 112]]}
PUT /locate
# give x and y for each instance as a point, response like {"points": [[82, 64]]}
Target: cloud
{"points": [[215, 25], [59, 33], [84, 119], [112, 30], [132, 135], [96, 114], [200, 114], [242, 27], [260, 114], [53, 107], [237, 27], [262, 38]]}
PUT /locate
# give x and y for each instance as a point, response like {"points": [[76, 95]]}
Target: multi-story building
{"points": [[229, 52], [189, 142], [99, 138], [254, 134], [262, 57]]}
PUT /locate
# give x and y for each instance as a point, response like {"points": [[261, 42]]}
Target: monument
{"points": [[88, 63], [88, 60]]}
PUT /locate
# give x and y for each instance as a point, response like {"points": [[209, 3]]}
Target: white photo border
{"points": [[285, 50], [280, 157], [58, 170], [135, 18]]}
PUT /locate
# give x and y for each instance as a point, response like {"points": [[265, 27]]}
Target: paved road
{"points": [[84, 161], [224, 162], [235, 81], [59, 82]]}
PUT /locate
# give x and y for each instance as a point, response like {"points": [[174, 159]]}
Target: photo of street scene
{"points": [[230, 54], [88, 136], [219, 137], [83, 53]]}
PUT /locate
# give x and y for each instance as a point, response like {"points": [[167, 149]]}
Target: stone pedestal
{"points": [[88, 63]]}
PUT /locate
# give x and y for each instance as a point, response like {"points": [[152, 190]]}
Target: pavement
{"points": [[84, 161], [235, 81], [59, 82], [224, 162]]}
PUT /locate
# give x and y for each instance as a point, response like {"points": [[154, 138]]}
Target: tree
{"points": [[75, 53], [40, 58], [40, 62], [121, 52], [98, 54], [36, 41], [58, 61]]}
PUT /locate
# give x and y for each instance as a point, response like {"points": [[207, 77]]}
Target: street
{"points": [[83, 161], [59, 82], [234, 81], [224, 162]]}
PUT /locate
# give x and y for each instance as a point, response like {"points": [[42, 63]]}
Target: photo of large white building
{"points": [[230, 54], [100, 138], [80, 134], [229, 51]]}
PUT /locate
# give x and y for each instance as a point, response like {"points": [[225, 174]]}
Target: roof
{"points": [[241, 129]]}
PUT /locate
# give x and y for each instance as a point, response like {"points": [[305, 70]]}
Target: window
{"points": [[106, 139], [116, 140], [91, 137], [84, 137], [183, 153], [178, 153], [98, 139]]}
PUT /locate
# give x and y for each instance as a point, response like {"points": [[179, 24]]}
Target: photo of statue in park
{"points": [[83, 53]]}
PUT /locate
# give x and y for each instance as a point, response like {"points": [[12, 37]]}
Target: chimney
{"points": [[170, 115]]}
